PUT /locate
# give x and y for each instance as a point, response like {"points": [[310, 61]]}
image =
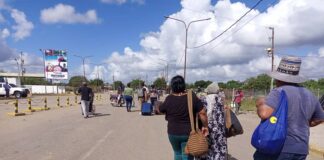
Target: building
{"points": [[14, 78]]}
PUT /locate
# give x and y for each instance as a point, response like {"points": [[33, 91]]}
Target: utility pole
{"points": [[23, 70], [83, 59], [272, 54], [186, 39]]}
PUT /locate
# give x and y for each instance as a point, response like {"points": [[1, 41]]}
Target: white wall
{"points": [[48, 89]]}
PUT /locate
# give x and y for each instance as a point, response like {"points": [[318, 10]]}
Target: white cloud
{"points": [[5, 33], [23, 27], [238, 54], [122, 1], [62, 13]]}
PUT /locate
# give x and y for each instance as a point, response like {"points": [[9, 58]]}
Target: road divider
{"points": [[16, 113]]}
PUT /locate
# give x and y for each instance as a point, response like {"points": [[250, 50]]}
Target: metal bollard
{"points": [[16, 106], [68, 101], [29, 104], [58, 101], [45, 104], [75, 99]]}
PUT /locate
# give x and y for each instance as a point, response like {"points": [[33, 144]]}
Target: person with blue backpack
{"points": [[286, 115]]}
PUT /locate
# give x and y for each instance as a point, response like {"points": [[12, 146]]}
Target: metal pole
{"points": [[272, 55], [187, 28], [185, 60]]}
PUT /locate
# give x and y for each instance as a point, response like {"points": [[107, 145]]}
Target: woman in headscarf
{"points": [[216, 124]]}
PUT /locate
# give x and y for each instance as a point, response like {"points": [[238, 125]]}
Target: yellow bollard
{"points": [[100, 97], [58, 102], [75, 99], [16, 113], [45, 104], [68, 101], [30, 106], [97, 97]]}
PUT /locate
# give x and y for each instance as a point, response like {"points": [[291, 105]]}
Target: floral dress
{"points": [[216, 125]]}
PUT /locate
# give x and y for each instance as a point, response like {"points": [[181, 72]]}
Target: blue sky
{"points": [[130, 36]]}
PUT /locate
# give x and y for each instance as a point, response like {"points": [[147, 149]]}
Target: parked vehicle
{"points": [[117, 100], [18, 92]]}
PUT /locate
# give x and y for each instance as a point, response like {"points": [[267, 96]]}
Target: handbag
{"points": [[197, 144], [269, 137], [233, 125]]}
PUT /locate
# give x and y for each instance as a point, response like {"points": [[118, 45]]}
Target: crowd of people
{"points": [[304, 111]]}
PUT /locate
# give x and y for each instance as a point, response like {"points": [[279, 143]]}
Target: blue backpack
{"points": [[269, 137]]}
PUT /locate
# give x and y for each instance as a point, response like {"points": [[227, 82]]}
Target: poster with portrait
{"points": [[56, 64]]}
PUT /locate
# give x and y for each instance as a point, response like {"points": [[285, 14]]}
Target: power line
{"points": [[234, 32], [230, 25]]}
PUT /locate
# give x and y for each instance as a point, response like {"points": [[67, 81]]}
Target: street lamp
{"points": [[186, 27], [83, 59]]}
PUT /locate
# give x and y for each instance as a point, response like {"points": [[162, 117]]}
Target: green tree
{"points": [[261, 82], [233, 84], [202, 84], [320, 83], [76, 81], [117, 84], [311, 84], [160, 83], [35, 81], [136, 83], [96, 82]]}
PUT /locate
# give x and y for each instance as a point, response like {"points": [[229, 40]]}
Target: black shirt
{"points": [[177, 115], [86, 93]]}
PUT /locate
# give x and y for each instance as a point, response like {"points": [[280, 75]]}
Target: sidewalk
{"points": [[316, 140]]}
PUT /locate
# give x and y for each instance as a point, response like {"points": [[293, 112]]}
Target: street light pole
{"points": [[186, 39], [272, 54], [83, 59]]}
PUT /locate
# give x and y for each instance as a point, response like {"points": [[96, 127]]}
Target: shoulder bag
{"points": [[197, 144]]}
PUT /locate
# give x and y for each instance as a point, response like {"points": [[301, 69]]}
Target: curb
{"points": [[315, 149]]}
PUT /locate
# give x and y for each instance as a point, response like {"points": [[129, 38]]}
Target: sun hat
{"points": [[288, 70], [212, 88]]}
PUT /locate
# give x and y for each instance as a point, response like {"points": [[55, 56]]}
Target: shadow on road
{"points": [[231, 158], [99, 115]]}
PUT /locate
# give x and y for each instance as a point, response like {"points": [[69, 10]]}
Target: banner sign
{"points": [[56, 64]]}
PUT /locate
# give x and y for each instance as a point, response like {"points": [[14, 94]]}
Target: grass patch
{"points": [[248, 104]]}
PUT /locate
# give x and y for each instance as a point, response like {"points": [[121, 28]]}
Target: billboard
{"points": [[55, 64]]}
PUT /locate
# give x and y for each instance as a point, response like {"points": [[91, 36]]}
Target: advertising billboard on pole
{"points": [[56, 64]]}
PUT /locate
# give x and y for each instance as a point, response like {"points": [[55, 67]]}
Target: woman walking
{"points": [[216, 124], [176, 112], [128, 95]]}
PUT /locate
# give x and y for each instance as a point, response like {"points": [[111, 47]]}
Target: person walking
{"points": [[128, 95], [175, 108], [304, 110], [238, 99], [216, 124], [7, 89], [86, 95], [153, 96]]}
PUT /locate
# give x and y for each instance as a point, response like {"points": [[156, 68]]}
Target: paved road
{"points": [[114, 134]]}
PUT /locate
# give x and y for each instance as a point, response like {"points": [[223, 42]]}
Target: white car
{"points": [[18, 92]]}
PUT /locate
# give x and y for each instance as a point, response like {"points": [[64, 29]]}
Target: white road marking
{"points": [[94, 147]]}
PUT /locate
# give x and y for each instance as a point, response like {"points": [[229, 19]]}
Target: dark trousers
{"points": [[178, 144], [282, 156], [7, 93], [129, 102]]}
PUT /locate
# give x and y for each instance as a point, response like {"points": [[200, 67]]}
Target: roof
{"points": [[39, 75]]}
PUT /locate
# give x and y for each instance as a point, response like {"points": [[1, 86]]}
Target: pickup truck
{"points": [[18, 92]]}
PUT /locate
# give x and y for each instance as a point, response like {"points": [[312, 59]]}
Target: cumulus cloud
{"points": [[5, 33], [63, 13], [23, 27], [122, 1], [238, 54]]}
